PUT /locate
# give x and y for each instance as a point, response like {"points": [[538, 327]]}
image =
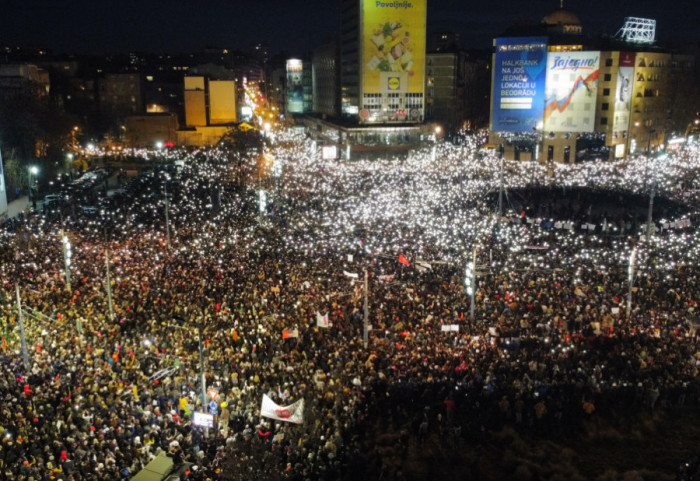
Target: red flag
{"points": [[403, 260]]}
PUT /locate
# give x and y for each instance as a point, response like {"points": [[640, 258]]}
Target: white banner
{"points": [[294, 413], [423, 265], [351, 274], [449, 328], [322, 320]]}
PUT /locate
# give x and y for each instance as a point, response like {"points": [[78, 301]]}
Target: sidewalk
{"points": [[17, 206]]}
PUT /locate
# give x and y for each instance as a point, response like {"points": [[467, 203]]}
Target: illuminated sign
{"points": [[204, 420], [393, 42], [571, 91], [329, 152], [295, 89], [518, 84], [623, 91]]}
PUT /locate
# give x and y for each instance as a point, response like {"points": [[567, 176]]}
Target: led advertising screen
{"points": [[572, 88], [623, 91], [295, 89], [518, 84], [393, 46]]}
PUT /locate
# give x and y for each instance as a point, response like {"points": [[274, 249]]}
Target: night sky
{"points": [[110, 26]]}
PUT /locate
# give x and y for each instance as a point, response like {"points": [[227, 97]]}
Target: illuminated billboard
{"points": [[295, 89], [623, 91], [393, 46], [518, 84], [572, 88]]}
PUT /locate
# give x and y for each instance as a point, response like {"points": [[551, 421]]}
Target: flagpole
{"points": [[110, 302], [203, 380], [167, 213], [500, 189], [470, 281], [23, 334], [630, 280], [365, 333]]}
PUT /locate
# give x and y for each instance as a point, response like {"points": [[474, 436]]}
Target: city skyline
{"points": [[103, 27]]}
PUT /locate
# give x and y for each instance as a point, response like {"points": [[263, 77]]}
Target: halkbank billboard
{"points": [[518, 84]]}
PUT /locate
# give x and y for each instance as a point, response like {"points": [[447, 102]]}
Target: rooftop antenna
{"points": [[638, 30]]}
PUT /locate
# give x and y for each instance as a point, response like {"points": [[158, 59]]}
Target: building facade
{"points": [[558, 96], [120, 94], [325, 80]]}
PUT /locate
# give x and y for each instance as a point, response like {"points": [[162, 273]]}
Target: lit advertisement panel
{"points": [[295, 90], [572, 87], [623, 91], [518, 84], [393, 46]]}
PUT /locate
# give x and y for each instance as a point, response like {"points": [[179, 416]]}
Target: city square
{"points": [[380, 255]]}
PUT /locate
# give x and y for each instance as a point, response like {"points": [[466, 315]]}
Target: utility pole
{"points": [[649, 231], [365, 333], [109, 286], [65, 242], [470, 281], [23, 333], [167, 212], [500, 188], [203, 380], [630, 280]]}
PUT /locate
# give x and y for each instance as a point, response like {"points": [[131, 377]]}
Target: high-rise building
{"points": [[381, 95], [349, 57], [383, 61], [325, 80]]}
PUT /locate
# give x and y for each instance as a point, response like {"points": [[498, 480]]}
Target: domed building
{"points": [[559, 95], [563, 21]]}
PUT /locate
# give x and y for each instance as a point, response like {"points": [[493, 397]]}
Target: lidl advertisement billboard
{"points": [[518, 84], [623, 91], [572, 88], [393, 46]]}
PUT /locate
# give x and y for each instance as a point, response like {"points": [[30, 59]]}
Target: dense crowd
{"points": [[550, 343]]}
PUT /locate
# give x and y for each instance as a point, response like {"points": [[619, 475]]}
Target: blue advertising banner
{"points": [[518, 84]]}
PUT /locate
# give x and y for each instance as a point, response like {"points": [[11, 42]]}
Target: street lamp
{"points": [[33, 172]]}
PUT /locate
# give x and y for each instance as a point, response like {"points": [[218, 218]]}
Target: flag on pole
{"points": [[294, 413], [403, 260], [286, 334], [322, 320]]}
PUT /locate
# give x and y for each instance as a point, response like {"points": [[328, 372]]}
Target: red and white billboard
{"points": [[571, 91]]}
